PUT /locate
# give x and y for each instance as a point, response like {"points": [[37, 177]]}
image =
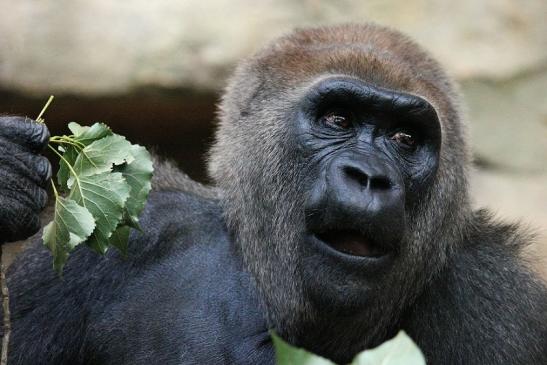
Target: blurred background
{"points": [[153, 70]]}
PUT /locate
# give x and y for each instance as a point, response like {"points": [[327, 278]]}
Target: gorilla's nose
{"points": [[360, 196], [365, 176], [365, 188]]}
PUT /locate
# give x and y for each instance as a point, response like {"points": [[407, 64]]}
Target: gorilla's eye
{"points": [[338, 119], [404, 139]]}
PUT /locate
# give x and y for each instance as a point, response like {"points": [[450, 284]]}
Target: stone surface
{"points": [[508, 121], [113, 46]]}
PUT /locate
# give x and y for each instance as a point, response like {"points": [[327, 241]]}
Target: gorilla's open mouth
{"points": [[352, 243]]}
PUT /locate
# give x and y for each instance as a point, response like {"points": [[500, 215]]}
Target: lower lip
{"points": [[364, 260]]}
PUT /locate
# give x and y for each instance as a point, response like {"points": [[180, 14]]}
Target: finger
{"points": [[24, 131], [25, 164], [42, 169], [41, 198], [26, 192]]}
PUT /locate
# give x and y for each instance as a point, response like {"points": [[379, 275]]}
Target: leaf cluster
{"points": [[103, 182], [400, 350]]}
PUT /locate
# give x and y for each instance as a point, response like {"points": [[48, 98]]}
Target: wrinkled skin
{"points": [[363, 179], [339, 215], [23, 177]]}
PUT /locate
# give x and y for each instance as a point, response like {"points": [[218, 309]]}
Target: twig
{"points": [[39, 119], [6, 312]]}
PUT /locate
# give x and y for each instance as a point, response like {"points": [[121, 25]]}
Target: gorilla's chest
{"points": [[195, 307]]}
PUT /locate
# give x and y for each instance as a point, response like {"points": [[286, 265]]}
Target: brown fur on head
{"points": [[260, 174]]}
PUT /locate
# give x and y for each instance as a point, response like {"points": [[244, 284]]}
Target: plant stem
{"points": [[76, 178], [54, 189], [61, 141], [65, 161], [6, 314], [39, 118]]}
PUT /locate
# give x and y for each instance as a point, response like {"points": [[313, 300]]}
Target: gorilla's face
{"points": [[370, 154], [335, 186]]}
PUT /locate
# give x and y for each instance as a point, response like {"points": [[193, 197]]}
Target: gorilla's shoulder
{"points": [[486, 233], [176, 220], [493, 248], [487, 294], [168, 177]]}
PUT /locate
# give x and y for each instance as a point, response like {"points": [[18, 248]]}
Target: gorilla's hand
{"points": [[23, 177]]}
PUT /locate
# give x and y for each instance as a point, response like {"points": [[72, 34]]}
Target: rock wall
{"points": [[113, 46]]}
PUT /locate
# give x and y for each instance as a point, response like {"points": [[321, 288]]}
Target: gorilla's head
{"points": [[342, 161]]}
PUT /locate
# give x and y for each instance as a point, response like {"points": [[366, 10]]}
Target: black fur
{"points": [[485, 307], [180, 297], [216, 268]]}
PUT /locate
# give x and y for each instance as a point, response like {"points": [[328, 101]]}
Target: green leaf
{"points": [[109, 179], [70, 155], [286, 354], [82, 135], [88, 135], [104, 195], [138, 175], [400, 350], [101, 155], [120, 238], [71, 225]]}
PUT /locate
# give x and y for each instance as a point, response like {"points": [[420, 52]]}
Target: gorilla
{"points": [[339, 214]]}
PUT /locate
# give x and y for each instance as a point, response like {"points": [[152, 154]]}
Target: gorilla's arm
{"points": [[181, 286], [486, 307]]}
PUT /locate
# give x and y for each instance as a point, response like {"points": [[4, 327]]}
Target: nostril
{"points": [[380, 183], [361, 178], [356, 175]]}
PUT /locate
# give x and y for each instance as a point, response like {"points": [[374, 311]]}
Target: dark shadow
{"points": [[175, 123]]}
